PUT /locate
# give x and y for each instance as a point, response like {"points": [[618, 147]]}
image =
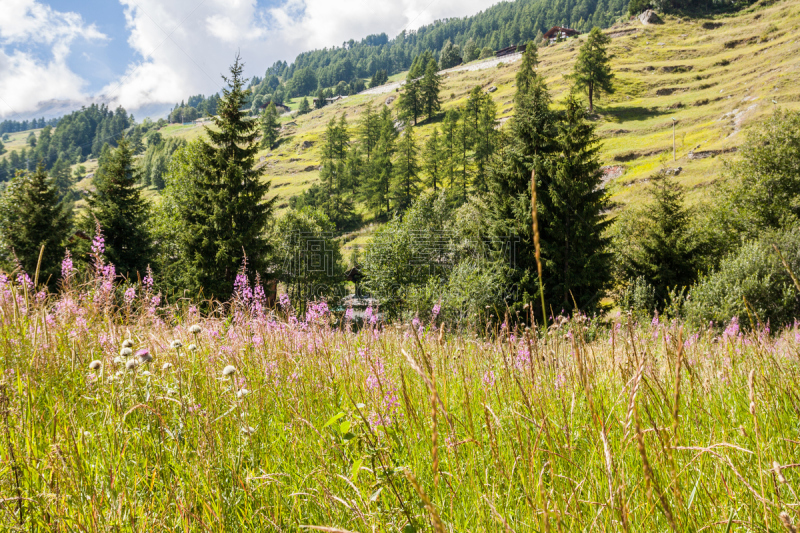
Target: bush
{"points": [[751, 282], [638, 297]]}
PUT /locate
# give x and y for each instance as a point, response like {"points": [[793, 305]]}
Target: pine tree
{"points": [[226, 214], [32, 216], [117, 205], [571, 216], [433, 160], [270, 128], [431, 84], [319, 101], [405, 185], [592, 68]]}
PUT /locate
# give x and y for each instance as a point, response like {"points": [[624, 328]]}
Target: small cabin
{"points": [[513, 49], [557, 33]]}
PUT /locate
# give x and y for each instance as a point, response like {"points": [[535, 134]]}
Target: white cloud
{"points": [[29, 81], [186, 44]]}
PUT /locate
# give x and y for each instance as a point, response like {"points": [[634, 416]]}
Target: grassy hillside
{"points": [[714, 76]]}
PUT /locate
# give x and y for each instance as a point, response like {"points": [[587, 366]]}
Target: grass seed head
{"points": [[776, 467], [787, 522]]}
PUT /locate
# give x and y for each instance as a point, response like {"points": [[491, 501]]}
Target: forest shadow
{"points": [[628, 113]]}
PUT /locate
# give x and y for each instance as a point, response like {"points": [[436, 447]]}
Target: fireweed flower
{"points": [[130, 295], [228, 370], [67, 268], [348, 315], [436, 310], [488, 378]]}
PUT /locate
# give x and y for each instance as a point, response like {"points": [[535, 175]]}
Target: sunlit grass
{"points": [[630, 427]]}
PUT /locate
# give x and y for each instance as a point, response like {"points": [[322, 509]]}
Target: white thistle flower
{"points": [[95, 365], [192, 347], [195, 329], [125, 352], [228, 370], [241, 393], [166, 366], [249, 430], [131, 364], [119, 360], [175, 344], [127, 343], [145, 373]]}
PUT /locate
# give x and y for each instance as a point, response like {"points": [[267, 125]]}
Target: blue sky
{"points": [[56, 55]]}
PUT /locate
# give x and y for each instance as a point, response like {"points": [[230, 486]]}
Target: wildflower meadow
{"points": [[122, 411]]}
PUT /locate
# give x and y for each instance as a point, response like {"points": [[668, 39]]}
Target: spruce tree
{"points": [[270, 127], [667, 253], [405, 185], [225, 213], [571, 211], [319, 101], [433, 160], [117, 205], [32, 216], [529, 144], [592, 68], [431, 84]]}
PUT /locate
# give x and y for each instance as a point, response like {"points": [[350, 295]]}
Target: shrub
{"points": [[751, 282]]}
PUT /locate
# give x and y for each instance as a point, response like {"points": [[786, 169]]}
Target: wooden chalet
{"points": [[558, 33]]}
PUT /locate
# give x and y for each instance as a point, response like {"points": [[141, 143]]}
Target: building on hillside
{"points": [[513, 49], [557, 33], [331, 99]]}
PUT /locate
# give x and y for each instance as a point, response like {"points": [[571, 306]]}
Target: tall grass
{"points": [[255, 421]]}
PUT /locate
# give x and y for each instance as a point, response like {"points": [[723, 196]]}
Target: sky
{"points": [[146, 55]]}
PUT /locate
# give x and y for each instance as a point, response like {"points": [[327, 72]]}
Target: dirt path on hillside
{"points": [[482, 65]]}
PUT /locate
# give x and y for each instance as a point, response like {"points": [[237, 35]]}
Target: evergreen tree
{"points": [[31, 216], [270, 128], [450, 132], [405, 185], [592, 68], [571, 216], [485, 143], [225, 211], [462, 163], [304, 108], [369, 130], [337, 205], [117, 205], [666, 252], [528, 145], [431, 84], [319, 101], [2, 148], [433, 160], [411, 100], [381, 167], [62, 178]]}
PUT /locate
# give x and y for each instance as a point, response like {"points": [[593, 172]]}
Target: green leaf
{"points": [[344, 427], [356, 468], [333, 419]]}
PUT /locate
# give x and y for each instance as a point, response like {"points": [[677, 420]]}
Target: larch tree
{"points": [[270, 128], [432, 160], [592, 68], [405, 184], [431, 85]]}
